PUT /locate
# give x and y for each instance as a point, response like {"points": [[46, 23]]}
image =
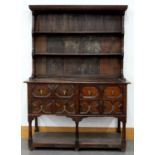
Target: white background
{"points": [[15, 67]]}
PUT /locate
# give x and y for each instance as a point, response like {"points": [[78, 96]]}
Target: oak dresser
{"points": [[77, 72]]}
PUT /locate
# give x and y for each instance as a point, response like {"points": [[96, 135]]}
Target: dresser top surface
{"points": [[76, 80]]}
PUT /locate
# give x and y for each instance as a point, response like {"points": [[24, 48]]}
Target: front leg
{"points": [[36, 124], [76, 120], [118, 125], [77, 136], [123, 148], [30, 140]]}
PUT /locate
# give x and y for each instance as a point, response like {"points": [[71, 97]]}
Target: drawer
{"points": [[90, 107], [112, 107], [41, 90], [89, 92], [52, 106], [41, 107], [64, 91], [64, 107], [112, 92]]}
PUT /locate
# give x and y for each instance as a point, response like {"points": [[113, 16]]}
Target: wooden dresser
{"points": [[77, 72]]}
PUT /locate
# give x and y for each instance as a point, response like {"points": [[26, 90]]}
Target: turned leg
{"points": [[118, 126], [124, 136], [36, 125], [30, 140], [77, 136]]}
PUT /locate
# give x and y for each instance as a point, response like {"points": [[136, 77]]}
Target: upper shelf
{"points": [[77, 54], [77, 33]]}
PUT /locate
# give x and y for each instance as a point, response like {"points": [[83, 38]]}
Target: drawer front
{"points": [[52, 106], [107, 107], [65, 107], [112, 107], [112, 92], [59, 91], [89, 92], [40, 107], [64, 91], [41, 90], [89, 107]]}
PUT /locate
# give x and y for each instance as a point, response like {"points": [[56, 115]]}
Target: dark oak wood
{"points": [[30, 140], [118, 126], [77, 54], [77, 72], [96, 80], [87, 140], [79, 8], [70, 22], [36, 125]]}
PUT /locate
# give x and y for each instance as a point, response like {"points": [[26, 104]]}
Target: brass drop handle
{"points": [[41, 91], [64, 92], [90, 93]]}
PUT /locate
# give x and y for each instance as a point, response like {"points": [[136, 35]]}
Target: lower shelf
{"points": [[53, 140], [86, 140]]}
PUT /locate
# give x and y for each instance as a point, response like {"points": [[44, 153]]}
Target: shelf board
{"points": [[77, 54], [86, 140], [77, 33]]}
